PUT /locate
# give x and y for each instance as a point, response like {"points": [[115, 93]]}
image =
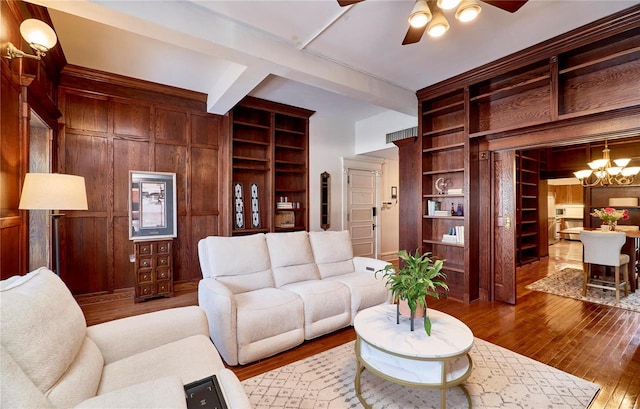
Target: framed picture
{"points": [[152, 205]]}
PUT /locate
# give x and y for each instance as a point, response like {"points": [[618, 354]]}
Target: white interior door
{"points": [[361, 211]]}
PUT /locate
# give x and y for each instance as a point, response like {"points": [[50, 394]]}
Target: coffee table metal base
{"points": [[441, 364]]}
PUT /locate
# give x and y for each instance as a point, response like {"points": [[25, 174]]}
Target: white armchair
{"points": [[51, 359]]}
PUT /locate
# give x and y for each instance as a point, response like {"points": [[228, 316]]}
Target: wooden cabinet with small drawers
{"points": [[153, 269]]}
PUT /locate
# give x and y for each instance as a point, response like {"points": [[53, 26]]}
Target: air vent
{"points": [[403, 134]]}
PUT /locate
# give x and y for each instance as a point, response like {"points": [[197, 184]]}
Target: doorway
{"points": [[361, 211]]}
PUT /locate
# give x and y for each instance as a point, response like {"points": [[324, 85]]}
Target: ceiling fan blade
{"points": [[507, 5], [344, 3], [414, 35]]}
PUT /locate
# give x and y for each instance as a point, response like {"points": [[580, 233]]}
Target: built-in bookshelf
{"points": [[270, 167]]}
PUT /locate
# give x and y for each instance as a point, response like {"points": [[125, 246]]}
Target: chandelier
{"points": [[602, 172]]}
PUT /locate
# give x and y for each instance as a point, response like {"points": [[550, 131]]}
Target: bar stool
{"points": [[603, 248]]}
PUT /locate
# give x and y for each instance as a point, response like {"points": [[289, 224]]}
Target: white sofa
{"points": [[51, 359], [266, 293]]}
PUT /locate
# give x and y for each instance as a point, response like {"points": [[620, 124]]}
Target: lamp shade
{"points": [[38, 34], [53, 191]]}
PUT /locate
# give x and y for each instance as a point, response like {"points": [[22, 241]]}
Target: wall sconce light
{"points": [[40, 37]]}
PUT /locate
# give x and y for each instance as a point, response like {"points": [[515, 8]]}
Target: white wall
{"points": [[329, 140], [371, 132]]}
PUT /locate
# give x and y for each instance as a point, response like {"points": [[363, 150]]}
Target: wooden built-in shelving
{"points": [[270, 148]]}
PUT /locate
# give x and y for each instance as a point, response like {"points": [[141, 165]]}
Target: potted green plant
{"points": [[418, 277]]}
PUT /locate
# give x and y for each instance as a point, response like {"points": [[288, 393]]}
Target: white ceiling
{"points": [[344, 62]]}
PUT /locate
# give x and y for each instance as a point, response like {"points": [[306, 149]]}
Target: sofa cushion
{"points": [[291, 257], [243, 261], [366, 290], [327, 305], [266, 313], [332, 252], [190, 359], [43, 327]]}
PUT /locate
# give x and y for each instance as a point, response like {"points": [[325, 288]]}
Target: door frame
{"points": [[365, 163]]}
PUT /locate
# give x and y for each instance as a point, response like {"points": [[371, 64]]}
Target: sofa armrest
{"points": [[368, 265], [219, 304], [167, 392], [234, 393], [147, 331]]}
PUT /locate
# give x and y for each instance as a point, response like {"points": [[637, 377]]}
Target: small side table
{"points": [[153, 269], [395, 353]]}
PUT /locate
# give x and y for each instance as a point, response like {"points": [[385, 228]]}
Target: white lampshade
{"points": [[438, 26], [38, 34], [420, 15], [597, 164], [583, 174], [468, 11], [631, 171], [53, 191], [447, 4], [622, 162]]}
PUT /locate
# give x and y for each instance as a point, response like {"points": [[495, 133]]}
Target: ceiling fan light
{"points": [[448, 4], [420, 15], [468, 11], [438, 26]]}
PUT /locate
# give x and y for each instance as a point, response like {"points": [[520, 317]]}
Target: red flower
{"points": [[609, 209]]}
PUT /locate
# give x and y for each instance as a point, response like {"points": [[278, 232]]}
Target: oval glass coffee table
{"points": [[395, 353]]}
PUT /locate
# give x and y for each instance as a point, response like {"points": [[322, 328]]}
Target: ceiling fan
{"points": [[425, 11]]}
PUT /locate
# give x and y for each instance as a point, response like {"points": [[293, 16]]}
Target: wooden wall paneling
{"points": [[84, 237], [84, 263], [123, 268], [173, 158], [204, 188], [182, 268], [171, 126], [128, 155], [205, 130], [146, 127], [131, 119], [86, 113]]}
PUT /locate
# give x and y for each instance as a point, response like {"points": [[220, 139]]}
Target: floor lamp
{"points": [[53, 191]]}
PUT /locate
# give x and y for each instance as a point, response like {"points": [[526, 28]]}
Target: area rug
{"points": [[568, 283], [500, 379]]}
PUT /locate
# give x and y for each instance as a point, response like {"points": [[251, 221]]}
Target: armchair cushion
{"points": [[161, 327], [43, 327], [189, 359], [166, 392]]}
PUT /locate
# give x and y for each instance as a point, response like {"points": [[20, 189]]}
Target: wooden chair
{"points": [[603, 248]]}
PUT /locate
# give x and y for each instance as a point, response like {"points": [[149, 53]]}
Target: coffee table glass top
{"points": [[449, 336]]}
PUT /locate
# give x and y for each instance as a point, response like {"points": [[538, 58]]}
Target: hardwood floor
{"points": [[597, 343]]}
